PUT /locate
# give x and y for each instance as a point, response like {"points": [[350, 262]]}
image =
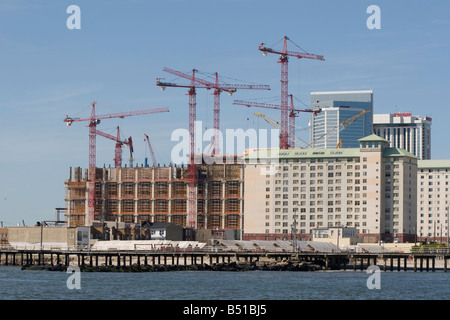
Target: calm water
{"points": [[19, 284]]}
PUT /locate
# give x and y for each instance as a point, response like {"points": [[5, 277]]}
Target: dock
{"points": [[417, 262]]}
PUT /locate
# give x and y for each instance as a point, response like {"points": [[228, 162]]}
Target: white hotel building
{"points": [[403, 130], [372, 188], [433, 200]]}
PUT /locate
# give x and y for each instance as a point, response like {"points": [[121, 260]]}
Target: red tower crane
{"points": [[94, 120], [284, 83], [218, 88], [119, 145], [199, 83], [292, 114], [192, 168], [152, 154]]}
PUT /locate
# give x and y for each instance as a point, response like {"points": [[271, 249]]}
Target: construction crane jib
{"points": [[283, 60], [292, 114], [94, 120]]}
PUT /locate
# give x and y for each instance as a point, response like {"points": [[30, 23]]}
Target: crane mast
{"points": [[94, 120], [283, 60], [119, 145], [218, 89], [152, 154]]}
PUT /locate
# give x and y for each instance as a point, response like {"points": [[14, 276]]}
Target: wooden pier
{"points": [[334, 261]]}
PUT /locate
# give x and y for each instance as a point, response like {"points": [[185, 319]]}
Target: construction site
{"points": [[159, 194], [198, 195]]}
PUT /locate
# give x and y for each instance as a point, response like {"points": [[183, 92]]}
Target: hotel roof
{"points": [[320, 153], [433, 164]]}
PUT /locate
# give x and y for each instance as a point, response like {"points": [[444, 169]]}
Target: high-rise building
{"points": [[433, 200], [403, 130], [336, 107], [372, 188]]}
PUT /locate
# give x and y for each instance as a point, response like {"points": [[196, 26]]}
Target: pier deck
{"points": [[335, 261]]}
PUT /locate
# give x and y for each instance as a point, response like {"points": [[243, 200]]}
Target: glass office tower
{"points": [[336, 107]]}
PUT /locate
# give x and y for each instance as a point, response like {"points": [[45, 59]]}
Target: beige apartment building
{"points": [[433, 177], [372, 188]]}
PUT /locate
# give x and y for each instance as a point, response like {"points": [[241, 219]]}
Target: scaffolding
{"points": [[112, 190], [214, 206], [145, 173], [145, 190], [232, 189], [233, 172], [161, 190], [215, 172], [161, 206], [112, 206], [214, 221], [127, 206], [179, 189], [144, 206], [232, 221], [232, 206], [215, 189], [128, 174], [159, 194], [179, 219], [179, 206], [162, 173], [128, 190]]}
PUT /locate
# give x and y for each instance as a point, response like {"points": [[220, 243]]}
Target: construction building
{"points": [[159, 194], [372, 188], [403, 130]]}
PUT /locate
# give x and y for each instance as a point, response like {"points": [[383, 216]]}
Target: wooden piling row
{"points": [[421, 262]]}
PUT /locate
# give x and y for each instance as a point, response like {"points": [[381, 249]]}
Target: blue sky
{"points": [[48, 71]]}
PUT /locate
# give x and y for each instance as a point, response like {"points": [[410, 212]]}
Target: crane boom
{"points": [[218, 88], [275, 124], [231, 88], [121, 115], [269, 106], [119, 145], [94, 120], [152, 154], [341, 126], [283, 60], [292, 115]]}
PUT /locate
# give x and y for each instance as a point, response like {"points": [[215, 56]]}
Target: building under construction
{"points": [[159, 194]]}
